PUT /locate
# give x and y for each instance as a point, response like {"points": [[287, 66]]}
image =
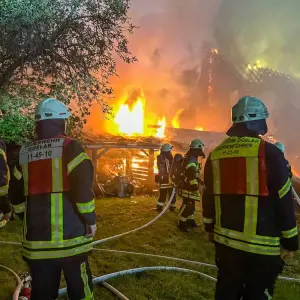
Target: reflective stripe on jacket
{"points": [[242, 202], [190, 188], [55, 177], [4, 173]]}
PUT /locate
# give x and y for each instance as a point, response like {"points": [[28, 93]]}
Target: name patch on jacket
{"points": [[42, 149], [237, 147]]}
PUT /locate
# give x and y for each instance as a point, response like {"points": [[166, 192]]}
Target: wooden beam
{"points": [[125, 146], [128, 166], [145, 152], [94, 161], [150, 180], [103, 152]]}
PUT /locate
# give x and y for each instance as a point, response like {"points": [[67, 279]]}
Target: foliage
{"points": [[17, 121], [63, 48], [162, 238]]}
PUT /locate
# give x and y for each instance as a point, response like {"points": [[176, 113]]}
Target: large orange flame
{"points": [[134, 121]]}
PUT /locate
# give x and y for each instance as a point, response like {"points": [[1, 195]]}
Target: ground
{"points": [[163, 238]]}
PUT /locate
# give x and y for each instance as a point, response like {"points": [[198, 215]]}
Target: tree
{"points": [[63, 48]]}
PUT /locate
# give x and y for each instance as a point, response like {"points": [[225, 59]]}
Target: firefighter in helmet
{"points": [[51, 189], [190, 185], [164, 163], [281, 147], [248, 206]]}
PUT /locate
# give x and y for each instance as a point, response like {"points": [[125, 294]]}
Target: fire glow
{"points": [[131, 120]]}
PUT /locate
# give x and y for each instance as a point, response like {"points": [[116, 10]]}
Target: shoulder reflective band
{"points": [[20, 208], [285, 189], [192, 164], [193, 182], [290, 233], [3, 154], [76, 161], [17, 173], [85, 208], [237, 147], [87, 291], [208, 221], [4, 190], [25, 177]]}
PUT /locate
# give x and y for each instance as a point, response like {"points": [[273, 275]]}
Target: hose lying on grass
{"points": [[296, 196], [114, 291], [142, 227], [19, 282], [140, 270], [193, 262]]}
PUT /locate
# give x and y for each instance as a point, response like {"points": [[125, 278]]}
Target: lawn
{"points": [[162, 238]]}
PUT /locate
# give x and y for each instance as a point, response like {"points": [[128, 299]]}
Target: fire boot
{"points": [[191, 223], [182, 226], [159, 208], [172, 208]]}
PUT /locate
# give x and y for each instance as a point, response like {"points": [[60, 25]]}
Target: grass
{"points": [[162, 238]]}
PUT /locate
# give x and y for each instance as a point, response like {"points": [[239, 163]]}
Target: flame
{"points": [[199, 128], [161, 130], [175, 121], [131, 121]]}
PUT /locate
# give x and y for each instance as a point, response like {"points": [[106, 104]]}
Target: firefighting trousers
{"points": [[187, 210], [246, 276], [165, 194], [5, 206], [46, 275]]}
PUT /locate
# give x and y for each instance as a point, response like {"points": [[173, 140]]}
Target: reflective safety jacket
{"points": [[52, 187], [4, 174], [164, 167], [191, 170], [248, 200]]}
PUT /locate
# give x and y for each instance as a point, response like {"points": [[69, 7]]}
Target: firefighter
{"points": [[248, 206], [5, 206], [281, 147], [51, 189], [190, 185], [164, 163]]}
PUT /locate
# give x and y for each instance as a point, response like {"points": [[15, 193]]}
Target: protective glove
{"points": [[90, 230]]}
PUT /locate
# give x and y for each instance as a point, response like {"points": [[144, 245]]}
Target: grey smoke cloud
{"points": [[265, 30]]}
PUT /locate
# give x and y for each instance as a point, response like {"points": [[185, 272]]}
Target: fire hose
{"points": [[19, 282], [140, 270], [142, 227], [121, 273], [296, 196]]}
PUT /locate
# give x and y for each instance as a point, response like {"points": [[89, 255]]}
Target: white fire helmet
{"points": [[51, 108], [166, 147], [280, 146], [248, 109]]}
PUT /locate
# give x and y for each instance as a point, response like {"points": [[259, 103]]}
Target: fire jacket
{"points": [[191, 170], [248, 201], [164, 164], [52, 187], [4, 171]]}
